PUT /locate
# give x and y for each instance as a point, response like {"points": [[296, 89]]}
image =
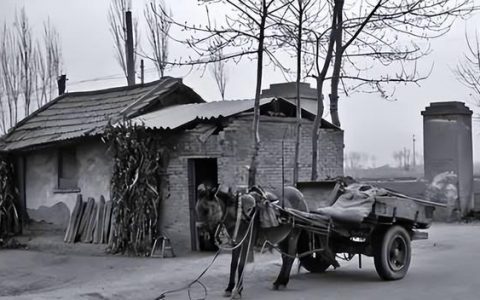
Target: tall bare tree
{"points": [[27, 57], [321, 68], [116, 19], [28, 69], [49, 64], [249, 30], [158, 24], [10, 80], [389, 32], [3, 112], [468, 71], [390, 35], [297, 28]]}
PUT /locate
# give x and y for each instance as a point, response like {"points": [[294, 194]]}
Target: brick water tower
{"points": [[447, 147]]}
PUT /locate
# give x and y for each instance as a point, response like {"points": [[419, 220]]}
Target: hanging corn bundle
{"points": [[9, 220], [136, 187]]}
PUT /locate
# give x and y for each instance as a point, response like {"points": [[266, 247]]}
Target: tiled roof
{"points": [[82, 114]]}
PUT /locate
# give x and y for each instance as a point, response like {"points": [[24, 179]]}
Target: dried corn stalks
{"points": [[9, 219], [136, 187]]}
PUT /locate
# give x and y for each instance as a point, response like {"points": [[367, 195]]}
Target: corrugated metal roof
{"points": [[176, 116], [311, 107], [81, 114], [173, 117], [308, 105]]}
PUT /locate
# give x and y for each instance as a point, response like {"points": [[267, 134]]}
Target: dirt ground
{"points": [[447, 266]]}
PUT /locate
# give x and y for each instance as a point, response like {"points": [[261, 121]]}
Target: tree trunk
{"points": [[252, 171], [299, 107], [322, 74], [316, 126], [337, 65]]}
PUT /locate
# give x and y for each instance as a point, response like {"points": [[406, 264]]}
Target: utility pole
{"points": [[413, 164], [129, 49]]}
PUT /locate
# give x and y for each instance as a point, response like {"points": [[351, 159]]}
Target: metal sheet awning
{"points": [[176, 116]]}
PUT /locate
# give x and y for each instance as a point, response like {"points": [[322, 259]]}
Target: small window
{"points": [[67, 169]]}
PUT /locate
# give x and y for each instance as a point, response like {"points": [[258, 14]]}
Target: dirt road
{"points": [[447, 266]]}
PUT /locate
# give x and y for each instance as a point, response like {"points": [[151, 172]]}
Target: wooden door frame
{"points": [[192, 202]]}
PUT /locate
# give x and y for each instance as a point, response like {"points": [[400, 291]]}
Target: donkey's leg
{"points": [[233, 270], [283, 245], [292, 251], [289, 246]]}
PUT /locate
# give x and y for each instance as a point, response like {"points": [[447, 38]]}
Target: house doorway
{"points": [[200, 170]]}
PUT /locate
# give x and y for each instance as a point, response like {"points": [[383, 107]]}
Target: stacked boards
{"points": [[90, 221]]}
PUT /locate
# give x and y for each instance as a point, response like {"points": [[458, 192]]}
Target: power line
{"points": [[106, 77]]}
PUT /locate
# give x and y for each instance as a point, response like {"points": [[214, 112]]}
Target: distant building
{"points": [[447, 130]]}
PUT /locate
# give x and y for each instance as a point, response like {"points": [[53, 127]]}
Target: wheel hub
{"points": [[397, 253]]}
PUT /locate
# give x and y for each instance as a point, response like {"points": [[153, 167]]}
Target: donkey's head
{"points": [[215, 206], [209, 207]]}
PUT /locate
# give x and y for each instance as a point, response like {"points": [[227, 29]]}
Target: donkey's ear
{"points": [[223, 189], [201, 189]]}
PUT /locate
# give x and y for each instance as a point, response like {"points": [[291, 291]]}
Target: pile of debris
{"points": [[90, 222]]}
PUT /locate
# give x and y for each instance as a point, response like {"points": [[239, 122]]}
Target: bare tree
{"points": [[220, 73], [394, 33], [390, 35], [158, 28], [53, 58], [468, 71], [402, 158], [248, 31], [3, 113], [301, 14], [406, 158], [11, 69], [27, 55], [48, 64], [116, 19], [356, 160], [398, 158], [27, 70], [321, 75]]}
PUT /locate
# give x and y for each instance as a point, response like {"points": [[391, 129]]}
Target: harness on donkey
{"points": [[241, 215], [255, 203]]}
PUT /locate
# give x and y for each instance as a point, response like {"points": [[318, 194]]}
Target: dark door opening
{"points": [[200, 170]]}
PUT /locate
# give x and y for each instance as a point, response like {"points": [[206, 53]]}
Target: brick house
{"points": [[59, 151]]}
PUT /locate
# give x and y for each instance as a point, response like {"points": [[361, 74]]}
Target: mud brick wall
{"points": [[44, 201], [232, 148]]}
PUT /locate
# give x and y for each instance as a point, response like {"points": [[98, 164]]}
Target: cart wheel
{"points": [[392, 253], [312, 264]]}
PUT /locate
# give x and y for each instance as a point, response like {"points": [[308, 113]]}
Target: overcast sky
{"points": [[372, 125]]}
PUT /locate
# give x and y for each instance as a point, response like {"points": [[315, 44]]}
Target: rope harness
{"points": [[238, 219], [221, 248], [240, 216]]}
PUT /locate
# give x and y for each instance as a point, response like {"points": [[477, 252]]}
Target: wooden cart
{"points": [[384, 235]]}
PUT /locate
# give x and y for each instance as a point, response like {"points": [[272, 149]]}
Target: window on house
{"points": [[67, 169]]}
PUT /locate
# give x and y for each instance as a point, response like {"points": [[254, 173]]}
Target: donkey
{"points": [[240, 215]]}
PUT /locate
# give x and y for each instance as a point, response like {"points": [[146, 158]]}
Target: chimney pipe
{"points": [[142, 72], [129, 49], [62, 84]]}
